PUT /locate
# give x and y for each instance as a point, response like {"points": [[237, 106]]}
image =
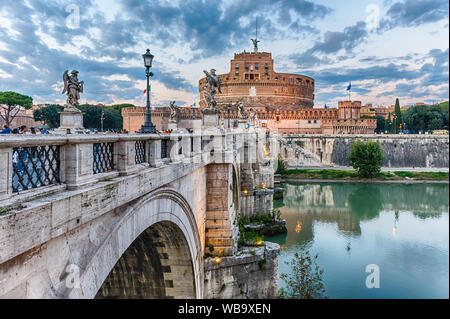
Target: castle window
{"points": [[315, 121], [256, 66], [266, 66], [237, 73], [309, 121], [237, 66], [246, 66]]}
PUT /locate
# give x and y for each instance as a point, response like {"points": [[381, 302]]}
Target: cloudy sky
{"points": [[386, 48]]}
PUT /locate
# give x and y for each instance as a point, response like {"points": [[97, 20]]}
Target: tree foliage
{"points": [[91, 117], [366, 158], [397, 116], [281, 169], [93, 114], [381, 124], [16, 99], [425, 118], [48, 114], [305, 279], [388, 125]]}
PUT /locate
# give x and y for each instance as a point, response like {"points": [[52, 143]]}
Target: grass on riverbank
{"points": [[352, 175]]}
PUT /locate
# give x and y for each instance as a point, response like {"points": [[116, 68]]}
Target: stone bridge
{"points": [[132, 216]]}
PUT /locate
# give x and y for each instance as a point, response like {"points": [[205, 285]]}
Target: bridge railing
{"points": [[31, 165]]}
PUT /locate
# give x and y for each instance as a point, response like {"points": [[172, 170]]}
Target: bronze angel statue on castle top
{"points": [[73, 88]]}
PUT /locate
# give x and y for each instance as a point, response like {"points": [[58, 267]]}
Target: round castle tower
{"points": [[253, 81]]}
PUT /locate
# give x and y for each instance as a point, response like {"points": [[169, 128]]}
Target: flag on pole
{"points": [[349, 89], [149, 88]]}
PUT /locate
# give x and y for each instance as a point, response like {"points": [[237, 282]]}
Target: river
{"points": [[403, 229]]}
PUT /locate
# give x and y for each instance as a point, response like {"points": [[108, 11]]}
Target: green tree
{"points": [[397, 115], [281, 169], [381, 124], [389, 123], [422, 117], [10, 103], [93, 114], [48, 114], [305, 279], [366, 158]]}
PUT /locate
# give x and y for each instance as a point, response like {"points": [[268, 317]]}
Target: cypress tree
{"points": [[398, 114]]}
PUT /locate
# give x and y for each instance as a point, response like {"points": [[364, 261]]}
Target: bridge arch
{"points": [[159, 225]]}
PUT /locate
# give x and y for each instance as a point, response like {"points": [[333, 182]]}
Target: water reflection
{"points": [[402, 228], [349, 204]]}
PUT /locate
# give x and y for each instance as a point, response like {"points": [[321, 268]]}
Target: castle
{"points": [[281, 101]]}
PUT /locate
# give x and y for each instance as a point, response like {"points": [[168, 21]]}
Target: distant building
{"points": [[253, 81], [282, 101]]}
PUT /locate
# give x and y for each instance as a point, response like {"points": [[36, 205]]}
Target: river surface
{"points": [[401, 228]]}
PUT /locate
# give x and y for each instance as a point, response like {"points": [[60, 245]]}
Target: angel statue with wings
{"points": [[241, 111], [213, 81], [73, 88], [173, 111], [255, 44]]}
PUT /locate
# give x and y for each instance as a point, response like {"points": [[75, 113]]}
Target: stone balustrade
{"points": [[35, 165]]}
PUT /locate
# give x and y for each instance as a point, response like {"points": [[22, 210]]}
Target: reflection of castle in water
{"points": [[349, 204]]}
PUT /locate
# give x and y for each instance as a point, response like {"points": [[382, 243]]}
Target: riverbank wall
{"points": [[425, 151]]}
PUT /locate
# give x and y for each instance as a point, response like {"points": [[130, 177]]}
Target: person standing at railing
{"points": [[23, 129], [6, 130]]}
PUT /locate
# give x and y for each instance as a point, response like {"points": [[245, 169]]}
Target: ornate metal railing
{"points": [[140, 152], [103, 157], [35, 166]]}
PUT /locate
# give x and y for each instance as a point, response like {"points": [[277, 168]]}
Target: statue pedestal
{"points": [[172, 126], [70, 120], [210, 118]]}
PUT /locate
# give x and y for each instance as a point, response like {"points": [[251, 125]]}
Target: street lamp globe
{"points": [[148, 59]]}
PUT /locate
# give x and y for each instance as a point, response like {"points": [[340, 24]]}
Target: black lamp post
{"points": [[148, 126], [229, 109]]}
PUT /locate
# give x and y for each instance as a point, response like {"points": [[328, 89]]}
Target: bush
{"points": [[305, 278], [281, 169], [366, 158]]}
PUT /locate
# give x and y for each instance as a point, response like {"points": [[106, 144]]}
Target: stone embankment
{"points": [[425, 151], [250, 274]]}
